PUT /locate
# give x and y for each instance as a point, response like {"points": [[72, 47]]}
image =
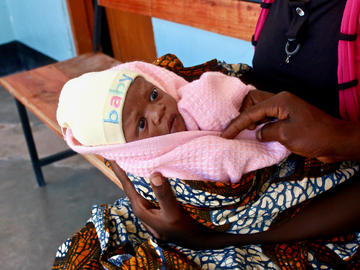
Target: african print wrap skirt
{"points": [[114, 238]]}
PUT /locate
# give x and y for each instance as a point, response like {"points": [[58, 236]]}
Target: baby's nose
{"points": [[157, 113]]}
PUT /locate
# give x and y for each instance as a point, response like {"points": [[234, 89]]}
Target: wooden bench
{"points": [[38, 89]]}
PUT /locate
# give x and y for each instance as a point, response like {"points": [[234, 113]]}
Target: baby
{"points": [[149, 119]]}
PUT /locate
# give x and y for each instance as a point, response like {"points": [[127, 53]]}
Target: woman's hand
{"points": [[301, 127], [169, 223], [254, 97]]}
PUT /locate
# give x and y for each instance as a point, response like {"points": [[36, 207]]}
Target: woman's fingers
{"points": [[274, 107], [254, 97], [125, 181], [248, 119], [151, 230], [274, 131], [237, 125], [137, 201], [164, 194]]}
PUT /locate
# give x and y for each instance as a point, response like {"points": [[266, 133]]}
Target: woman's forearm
{"points": [[332, 213]]}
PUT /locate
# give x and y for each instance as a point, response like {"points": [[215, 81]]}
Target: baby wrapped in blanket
{"points": [[149, 119]]}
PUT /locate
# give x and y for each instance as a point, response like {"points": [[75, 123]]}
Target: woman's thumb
{"points": [[163, 193]]}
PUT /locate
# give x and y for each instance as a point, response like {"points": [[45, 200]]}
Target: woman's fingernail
{"points": [[156, 179]]}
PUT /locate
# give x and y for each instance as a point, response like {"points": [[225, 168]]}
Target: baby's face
{"points": [[149, 111]]}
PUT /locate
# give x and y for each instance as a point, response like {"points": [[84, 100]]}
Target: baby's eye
{"points": [[141, 124], [153, 95]]}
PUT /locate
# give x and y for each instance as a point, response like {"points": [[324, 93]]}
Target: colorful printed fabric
{"points": [[114, 238]]}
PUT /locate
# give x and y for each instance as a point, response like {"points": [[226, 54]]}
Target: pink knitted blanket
{"points": [[207, 106]]}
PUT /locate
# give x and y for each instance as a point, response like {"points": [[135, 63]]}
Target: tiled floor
{"points": [[34, 221]]}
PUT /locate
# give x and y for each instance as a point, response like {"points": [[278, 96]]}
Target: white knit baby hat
{"points": [[91, 106]]}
